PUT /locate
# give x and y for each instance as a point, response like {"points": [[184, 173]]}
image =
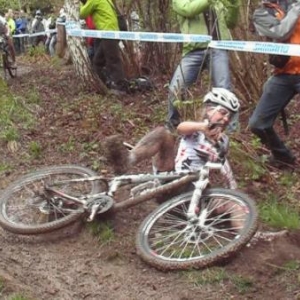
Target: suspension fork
{"points": [[200, 185]]}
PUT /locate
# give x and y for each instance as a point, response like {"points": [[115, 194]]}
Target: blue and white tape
{"points": [[34, 34], [74, 29], [258, 47]]}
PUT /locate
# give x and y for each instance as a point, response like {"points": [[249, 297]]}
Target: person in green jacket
{"points": [[202, 17], [9, 16], [107, 60]]}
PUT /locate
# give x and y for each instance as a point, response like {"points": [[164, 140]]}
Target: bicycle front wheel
{"points": [[24, 209], [226, 221]]}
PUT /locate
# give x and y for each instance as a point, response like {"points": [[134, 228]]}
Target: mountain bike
{"points": [[7, 60], [198, 227]]}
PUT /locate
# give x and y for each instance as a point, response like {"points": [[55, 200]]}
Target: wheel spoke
{"points": [[27, 207], [168, 237]]}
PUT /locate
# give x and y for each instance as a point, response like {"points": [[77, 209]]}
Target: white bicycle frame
{"points": [[146, 187]]}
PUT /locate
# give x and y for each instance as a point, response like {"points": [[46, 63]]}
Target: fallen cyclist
{"points": [[200, 141]]}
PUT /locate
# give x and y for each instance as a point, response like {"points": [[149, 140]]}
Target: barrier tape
{"points": [[74, 29], [257, 47], [34, 34]]}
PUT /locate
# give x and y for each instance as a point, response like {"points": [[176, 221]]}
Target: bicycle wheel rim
{"points": [[167, 240], [25, 210]]}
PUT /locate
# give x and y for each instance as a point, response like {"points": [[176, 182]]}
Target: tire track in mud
{"points": [[78, 267]]}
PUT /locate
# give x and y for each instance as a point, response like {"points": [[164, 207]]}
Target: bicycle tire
{"points": [[23, 210], [7, 62], [163, 231]]}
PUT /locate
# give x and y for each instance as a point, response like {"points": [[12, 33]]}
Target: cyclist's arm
{"points": [[189, 127]]}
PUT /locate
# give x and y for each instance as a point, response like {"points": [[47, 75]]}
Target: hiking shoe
{"points": [[117, 154], [282, 162]]}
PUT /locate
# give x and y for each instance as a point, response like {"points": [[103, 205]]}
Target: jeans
{"points": [[277, 93], [187, 73]]}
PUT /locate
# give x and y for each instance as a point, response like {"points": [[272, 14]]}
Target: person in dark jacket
{"points": [[278, 21]]}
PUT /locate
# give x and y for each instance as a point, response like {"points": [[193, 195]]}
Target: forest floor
{"points": [[67, 127]]}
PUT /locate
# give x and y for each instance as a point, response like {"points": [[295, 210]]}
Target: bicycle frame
{"points": [[147, 186]]}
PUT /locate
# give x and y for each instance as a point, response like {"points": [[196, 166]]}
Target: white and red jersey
{"points": [[194, 150]]}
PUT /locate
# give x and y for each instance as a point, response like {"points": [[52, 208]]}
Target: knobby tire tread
{"points": [[31, 177], [219, 256]]}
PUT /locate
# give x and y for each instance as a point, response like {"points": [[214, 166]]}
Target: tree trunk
{"points": [[78, 52]]}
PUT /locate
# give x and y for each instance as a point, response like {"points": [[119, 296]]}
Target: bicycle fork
{"points": [[193, 208]]}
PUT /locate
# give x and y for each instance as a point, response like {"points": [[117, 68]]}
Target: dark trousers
{"points": [[107, 61]]}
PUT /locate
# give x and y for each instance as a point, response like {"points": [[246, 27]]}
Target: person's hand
{"points": [[214, 130]]}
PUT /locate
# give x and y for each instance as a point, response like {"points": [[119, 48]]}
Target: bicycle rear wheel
{"points": [[7, 65], [227, 220], [24, 209]]}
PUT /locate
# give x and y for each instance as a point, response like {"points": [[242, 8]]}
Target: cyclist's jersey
{"points": [[194, 150]]}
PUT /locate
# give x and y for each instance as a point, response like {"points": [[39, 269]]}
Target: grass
{"points": [[243, 284], [69, 146], [207, 276], [2, 285], [103, 231], [219, 275], [278, 215], [35, 149], [14, 296], [18, 297], [13, 116]]}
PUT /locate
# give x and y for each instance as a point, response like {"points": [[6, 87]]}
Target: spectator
{"points": [[206, 18], [4, 30], [38, 25], [9, 16], [90, 41], [107, 60], [278, 21], [21, 28], [53, 36]]}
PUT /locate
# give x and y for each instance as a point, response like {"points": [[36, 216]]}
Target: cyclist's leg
{"points": [[158, 144], [236, 212]]}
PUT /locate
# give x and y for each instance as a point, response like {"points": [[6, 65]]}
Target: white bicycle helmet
{"points": [[223, 97]]}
